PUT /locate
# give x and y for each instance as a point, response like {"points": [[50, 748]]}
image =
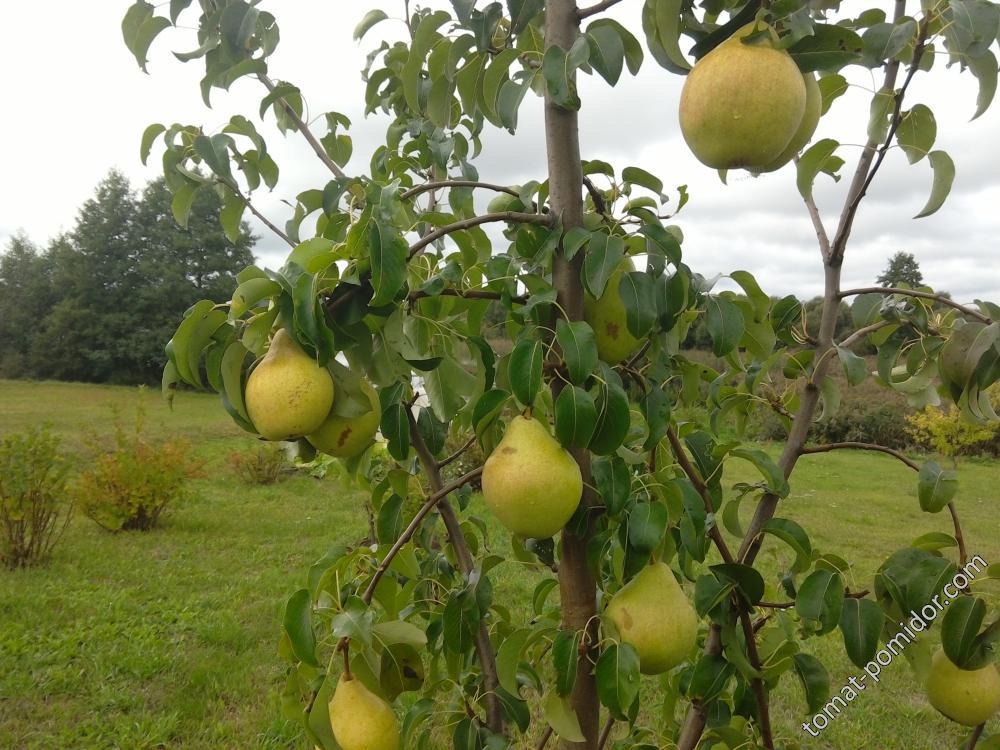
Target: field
{"points": [[168, 639]]}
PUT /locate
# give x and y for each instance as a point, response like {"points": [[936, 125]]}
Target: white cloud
{"points": [[81, 110]]}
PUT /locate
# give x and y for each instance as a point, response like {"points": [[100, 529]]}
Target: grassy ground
{"points": [[167, 639]]}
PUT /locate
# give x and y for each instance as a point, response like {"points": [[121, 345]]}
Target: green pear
{"points": [[288, 394], [346, 437], [606, 315], [360, 719], [505, 202], [969, 697], [530, 482], [742, 103], [814, 108], [652, 614]]}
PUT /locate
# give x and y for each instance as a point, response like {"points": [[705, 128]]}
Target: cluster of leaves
{"points": [[396, 282]]}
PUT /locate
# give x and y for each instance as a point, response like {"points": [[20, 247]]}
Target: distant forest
{"points": [[99, 303]]}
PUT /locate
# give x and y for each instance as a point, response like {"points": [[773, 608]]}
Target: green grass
{"points": [[168, 639]]}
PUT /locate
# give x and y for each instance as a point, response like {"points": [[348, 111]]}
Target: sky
{"points": [[77, 104]]}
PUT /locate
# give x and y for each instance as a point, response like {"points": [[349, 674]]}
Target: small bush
{"points": [[34, 506], [266, 465], [945, 431], [129, 486]]}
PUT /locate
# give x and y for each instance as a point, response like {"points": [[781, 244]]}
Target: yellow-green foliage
{"points": [[946, 432], [130, 484], [34, 507]]}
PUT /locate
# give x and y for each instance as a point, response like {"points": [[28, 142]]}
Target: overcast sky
{"points": [[76, 105]]}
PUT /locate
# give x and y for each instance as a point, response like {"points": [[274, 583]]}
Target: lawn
{"points": [[168, 639]]}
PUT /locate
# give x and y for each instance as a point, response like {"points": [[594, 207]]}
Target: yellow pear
{"points": [[969, 697], [652, 614], [606, 315], [360, 719], [346, 437], [530, 482], [814, 108], [742, 104], [288, 394]]}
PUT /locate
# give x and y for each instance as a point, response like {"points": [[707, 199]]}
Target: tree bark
{"points": [[577, 588]]}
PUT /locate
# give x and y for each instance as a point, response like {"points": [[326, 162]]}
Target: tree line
{"points": [[99, 302]]}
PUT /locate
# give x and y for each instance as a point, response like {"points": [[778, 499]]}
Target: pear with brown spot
{"points": [[606, 315], [652, 614], [530, 482]]}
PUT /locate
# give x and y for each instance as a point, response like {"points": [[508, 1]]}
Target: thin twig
{"points": [[303, 128], [756, 683], [959, 537], [922, 295], [862, 332], [605, 734], [454, 456], [788, 605], [853, 445], [600, 205], [976, 734], [513, 217], [467, 294], [546, 736], [596, 8], [821, 236], [417, 190]]}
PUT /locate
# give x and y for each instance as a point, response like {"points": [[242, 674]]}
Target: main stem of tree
{"points": [[577, 588]]}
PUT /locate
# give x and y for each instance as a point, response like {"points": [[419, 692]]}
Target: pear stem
{"points": [[347, 661], [976, 734]]}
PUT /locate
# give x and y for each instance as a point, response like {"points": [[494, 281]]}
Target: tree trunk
{"points": [[577, 587]]}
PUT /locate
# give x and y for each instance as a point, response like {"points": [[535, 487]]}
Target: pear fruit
{"points": [[288, 394], [814, 108], [969, 697], [652, 614], [360, 719], [346, 437], [606, 315], [530, 482], [742, 103]]}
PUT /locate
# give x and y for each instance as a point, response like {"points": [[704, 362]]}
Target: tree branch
{"points": [[821, 236], [507, 216], [484, 648], [605, 734], [790, 605], [467, 294], [885, 290], [853, 445], [959, 536], [417, 190], [303, 128], [756, 683], [596, 8], [862, 332]]}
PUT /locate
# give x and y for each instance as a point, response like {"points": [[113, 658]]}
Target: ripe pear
{"points": [[360, 719], [814, 108], [969, 697], [652, 614], [288, 394], [606, 315], [742, 104], [530, 482], [346, 437]]}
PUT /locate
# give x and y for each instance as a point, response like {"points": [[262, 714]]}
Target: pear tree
{"points": [[652, 622]]}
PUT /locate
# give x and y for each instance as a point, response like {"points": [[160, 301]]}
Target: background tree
{"points": [[26, 296], [395, 281], [902, 270]]}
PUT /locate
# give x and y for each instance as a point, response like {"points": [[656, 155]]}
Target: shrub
{"points": [[265, 465], [129, 486], [34, 506], [946, 432]]}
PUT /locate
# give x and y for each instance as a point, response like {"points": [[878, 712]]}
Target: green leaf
{"points": [[830, 47], [917, 132], [509, 657], [182, 202], [604, 255], [524, 369], [395, 427], [812, 163], [641, 177], [613, 419], [617, 674], [815, 680], [656, 410], [393, 632], [423, 38], [371, 18], [724, 322], [493, 79], [148, 137], [936, 487], [565, 658], [298, 627], [638, 295], [747, 580], [139, 28], [576, 417], [855, 367], [861, 624], [933, 541], [249, 293], [632, 47], [821, 597], [561, 717], [232, 377], [231, 215], [613, 482], [579, 349], [558, 77], [944, 176], [388, 252], [884, 41], [661, 22], [711, 674], [795, 537], [214, 152], [709, 593], [521, 13], [984, 68], [647, 523], [607, 52], [831, 88], [959, 628]]}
